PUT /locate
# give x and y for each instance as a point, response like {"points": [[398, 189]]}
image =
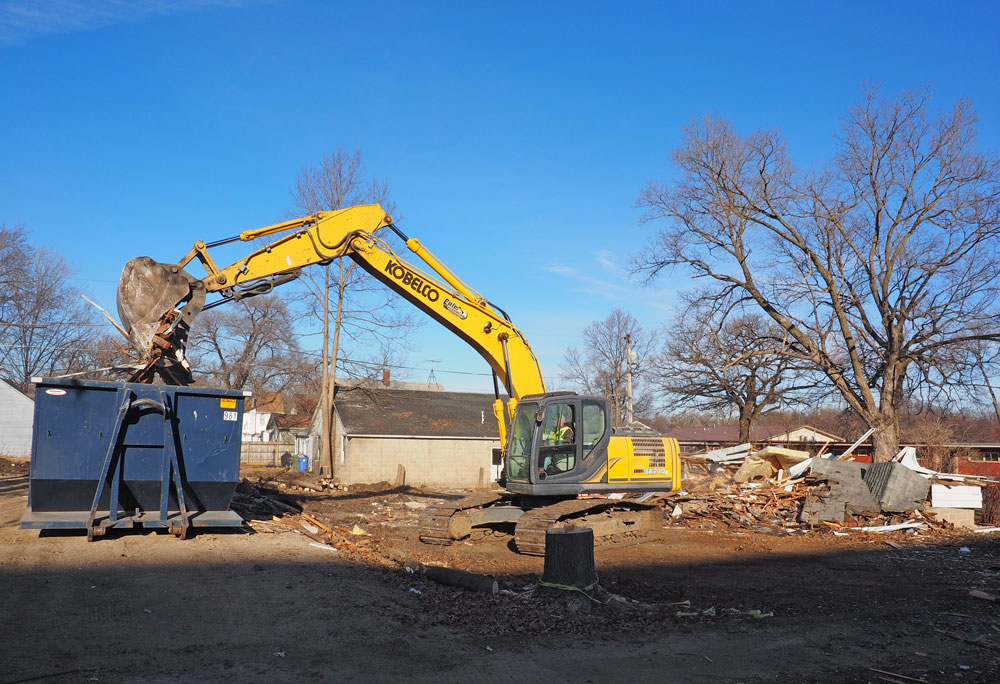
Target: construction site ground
{"points": [[698, 605]]}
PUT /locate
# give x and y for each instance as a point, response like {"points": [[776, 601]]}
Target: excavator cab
{"points": [[556, 441]]}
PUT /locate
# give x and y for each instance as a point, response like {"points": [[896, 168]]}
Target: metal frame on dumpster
{"points": [[172, 473]]}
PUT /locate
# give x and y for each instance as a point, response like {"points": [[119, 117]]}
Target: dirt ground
{"points": [[697, 606]]}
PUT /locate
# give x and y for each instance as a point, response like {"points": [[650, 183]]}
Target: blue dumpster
{"points": [[116, 454], [303, 463]]}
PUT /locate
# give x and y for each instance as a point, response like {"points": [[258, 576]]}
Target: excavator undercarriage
{"points": [[618, 522]]}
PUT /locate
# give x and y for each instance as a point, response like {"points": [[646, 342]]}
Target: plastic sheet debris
{"points": [[888, 528], [733, 454], [907, 456]]}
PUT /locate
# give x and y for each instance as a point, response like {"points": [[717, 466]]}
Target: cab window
{"points": [[594, 426], [519, 445], [557, 453]]}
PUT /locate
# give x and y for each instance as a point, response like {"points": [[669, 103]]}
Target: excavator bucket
{"points": [[156, 304]]}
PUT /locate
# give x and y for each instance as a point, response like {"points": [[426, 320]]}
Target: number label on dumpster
{"points": [[229, 415]]}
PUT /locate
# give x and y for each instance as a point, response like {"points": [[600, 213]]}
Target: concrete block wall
{"points": [[428, 462]]}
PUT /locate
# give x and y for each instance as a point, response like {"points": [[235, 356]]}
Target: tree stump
{"points": [[991, 504], [569, 557]]}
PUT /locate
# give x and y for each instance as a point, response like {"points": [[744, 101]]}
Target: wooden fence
{"points": [[265, 453]]}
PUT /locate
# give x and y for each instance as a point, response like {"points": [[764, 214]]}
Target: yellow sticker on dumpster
{"points": [[227, 403]]}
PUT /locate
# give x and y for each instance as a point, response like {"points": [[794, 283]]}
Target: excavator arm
{"points": [[158, 302]]}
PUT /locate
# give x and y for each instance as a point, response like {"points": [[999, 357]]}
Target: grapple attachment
{"points": [[157, 303]]}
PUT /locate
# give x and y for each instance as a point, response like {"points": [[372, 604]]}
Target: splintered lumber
{"points": [[569, 558], [974, 642], [299, 528]]}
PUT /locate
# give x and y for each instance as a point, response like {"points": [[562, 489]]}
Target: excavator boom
{"points": [[158, 302]]}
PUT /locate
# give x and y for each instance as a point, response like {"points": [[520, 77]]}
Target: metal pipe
{"points": [[506, 363], [223, 241]]}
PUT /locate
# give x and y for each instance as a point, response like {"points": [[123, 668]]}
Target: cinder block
{"points": [[847, 484], [838, 471], [828, 508]]}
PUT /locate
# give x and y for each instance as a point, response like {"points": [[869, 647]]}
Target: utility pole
{"points": [[993, 395], [629, 417], [431, 378]]}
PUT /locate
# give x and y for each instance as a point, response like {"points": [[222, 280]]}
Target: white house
{"points": [[17, 415]]}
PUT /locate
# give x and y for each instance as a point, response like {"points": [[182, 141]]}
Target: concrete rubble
{"points": [[787, 491]]}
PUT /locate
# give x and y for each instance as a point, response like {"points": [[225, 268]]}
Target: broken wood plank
{"points": [[896, 674], [974, 642]]}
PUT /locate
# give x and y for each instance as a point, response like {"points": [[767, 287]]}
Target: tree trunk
{"points": [[569, 557], [886, 423], [334, 353], [746, 422], [326, 448], [885, 440]]}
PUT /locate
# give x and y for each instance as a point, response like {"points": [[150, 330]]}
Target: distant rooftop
{"points": [[730, 434], [380, 411]]}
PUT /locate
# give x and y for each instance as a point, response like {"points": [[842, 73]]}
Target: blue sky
{"points": [[515, 136]]}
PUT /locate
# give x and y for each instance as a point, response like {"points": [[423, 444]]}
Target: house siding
{"points": [[17, 418], [453, 462]]}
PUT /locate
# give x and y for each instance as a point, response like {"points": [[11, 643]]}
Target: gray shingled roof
{"points": [[366, 411]]}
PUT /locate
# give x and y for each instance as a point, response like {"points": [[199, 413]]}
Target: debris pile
{"points": [[784, 491], [257, 502]]}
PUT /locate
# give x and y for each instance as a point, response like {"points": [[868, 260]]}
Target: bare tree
{"points": [[15, 258], [709, 363], [601, 367], [881, 267], [250, 344], [357, 315], [45, 324]]}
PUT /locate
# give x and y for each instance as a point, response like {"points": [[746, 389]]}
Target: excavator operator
{"points": [[562, 431]]}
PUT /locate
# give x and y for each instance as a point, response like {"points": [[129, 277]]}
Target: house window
{"points": [[989, 456]]}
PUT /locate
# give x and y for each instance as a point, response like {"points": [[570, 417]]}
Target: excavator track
{"points": [[435, 523], [615, 523]]}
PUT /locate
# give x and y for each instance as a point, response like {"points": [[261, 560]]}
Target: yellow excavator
{"points": [[562, 459]]}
